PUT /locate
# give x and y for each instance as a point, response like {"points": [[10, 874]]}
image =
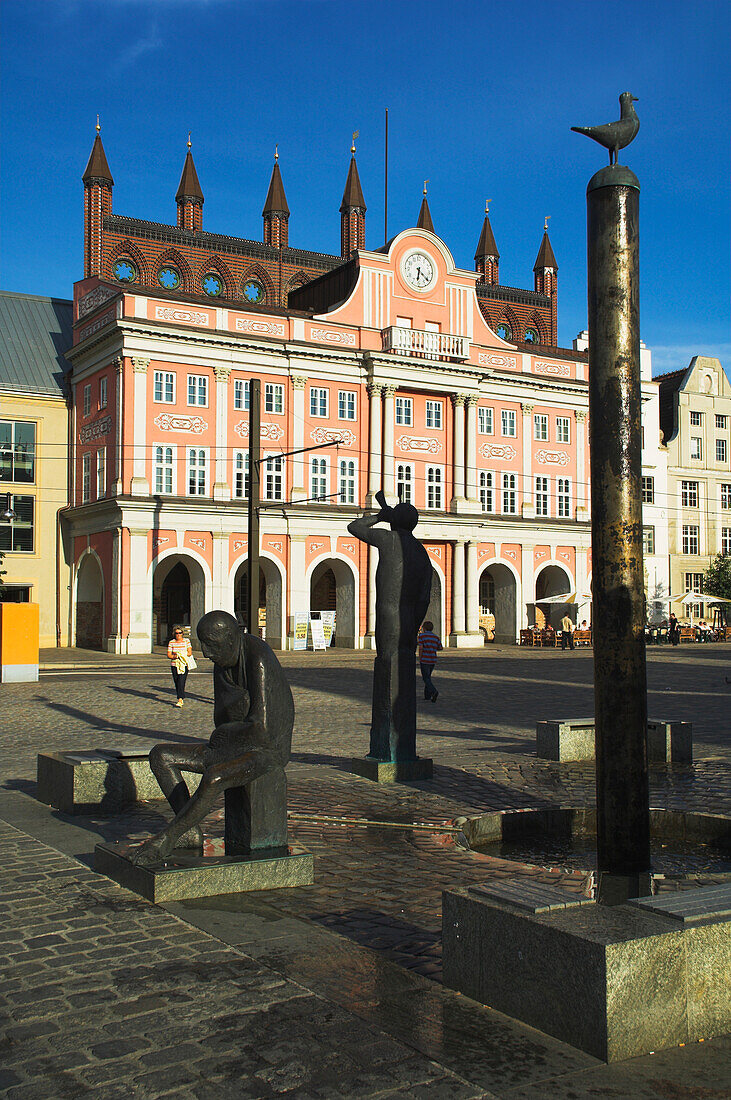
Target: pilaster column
{"points": [[471, 459], [581, 489], [458, 479], [370, 638], [389, 431], [299, 596], [299, 478], [139, 639], [221, 486], [527, 586], [221, 595], [375, 439], [473, 595], [529, 506], [458, 593], [140, 484], [117, 482], [114, 640]]}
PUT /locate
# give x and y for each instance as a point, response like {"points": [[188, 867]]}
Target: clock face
{"points": [[419, 271]]}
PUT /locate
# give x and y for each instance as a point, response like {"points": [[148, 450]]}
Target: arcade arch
{"points": [[333, 588], [271, 619], [89, 602], [178, 596], [552, 580], [498, 588]]}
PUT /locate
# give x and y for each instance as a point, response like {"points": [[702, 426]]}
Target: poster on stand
{"points": [[317, 634], [327, 618], [301, 620]]}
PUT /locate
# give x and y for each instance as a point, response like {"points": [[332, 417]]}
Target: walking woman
{"points": [[180, 652]]}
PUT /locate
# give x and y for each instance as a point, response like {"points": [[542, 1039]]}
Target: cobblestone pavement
{"points": [[328, 990]]}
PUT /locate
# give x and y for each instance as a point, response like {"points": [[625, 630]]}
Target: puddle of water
{"points": [[579, 853]]}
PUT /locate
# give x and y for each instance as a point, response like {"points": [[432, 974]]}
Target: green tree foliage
{"points": [[717, 578]]}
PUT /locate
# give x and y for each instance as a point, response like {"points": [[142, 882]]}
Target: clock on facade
{"points": [[418, 270]]}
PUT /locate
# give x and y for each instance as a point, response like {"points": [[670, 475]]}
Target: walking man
{"points": [[429, 646]]}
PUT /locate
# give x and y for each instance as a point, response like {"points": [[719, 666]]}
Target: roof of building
{"points": [[276, 200], [97, 168], [189, 187], [353, 193], [486, 245], [34, 334], [425, 221], [545, 257]]}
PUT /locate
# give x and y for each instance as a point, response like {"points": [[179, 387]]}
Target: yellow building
{"points": [[34, 334]]}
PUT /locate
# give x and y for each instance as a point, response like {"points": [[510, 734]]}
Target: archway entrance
{"points": [[498, 604], [89, 603], [332, 588], [178, 597], [551, 581], [270, 600]]}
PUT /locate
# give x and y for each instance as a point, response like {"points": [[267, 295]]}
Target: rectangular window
{"points": [[241, 475], [197, 469], [274, 478], [197, 389], [721, 421], [689, 494], [346, 480], [510, 495], [164, 469], [726, 540], [725, 496], [485, 420], [693, 582], [404, 411], [696, 419], [691, 538], [487, 485], [86, 477], [16, 535], [101, 472], [434, 479], [648, 540], [163, 387], [318, 401], [346, 405], [540, 426], [102, 393], [541, 496], [434, 414], [241, 394], [563, 429], [273, 398], [648, 490], [87, 399], [563, 497], [17, 451], [696, 447], [507, 419], [405, 482], [318, 478], [721, 450]]}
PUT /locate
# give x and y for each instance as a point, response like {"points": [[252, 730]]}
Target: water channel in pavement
{"points": [[578, 852]]}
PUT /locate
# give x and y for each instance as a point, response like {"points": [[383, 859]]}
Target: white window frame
{"points": [[696, 418], [103, 393], [87, 399], [86, 477], [721, 421], [200, 465], [648, 489], [540, 427], [725, 490], [726, 540], [273, 477], [274, 397], [163, 463], [435, 415], [508, 423], [689, 494], [509, 483], [101, 472], [347, 405], [648, 539], [197, 387], [435, 488], [319, 478], [347, 481], [563, 497], [721, 450], [405, 482], [404, 412], [542, 496], [563, 429], [696, 444], [487, 491], [163, 384], [691, 535], [485, 420], [241, 475], [242, 391], [319, 402]]}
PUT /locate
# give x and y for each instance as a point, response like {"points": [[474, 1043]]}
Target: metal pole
{"points": [[252, 614], [385, 187], [620, 681]]}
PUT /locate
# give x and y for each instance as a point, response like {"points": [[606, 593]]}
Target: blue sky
{"points": [[481, 97]]}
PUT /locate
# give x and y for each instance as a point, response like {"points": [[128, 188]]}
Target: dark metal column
{"points": [[620, 683]]}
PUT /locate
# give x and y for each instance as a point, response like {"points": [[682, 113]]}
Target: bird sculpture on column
{"points": [[615, 135]]}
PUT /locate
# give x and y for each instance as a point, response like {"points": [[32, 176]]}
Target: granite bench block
{"points": [[393, 771], [99, 780], [574, 739]]}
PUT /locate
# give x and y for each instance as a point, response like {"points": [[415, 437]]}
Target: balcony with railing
{"points": [[425, 345]]}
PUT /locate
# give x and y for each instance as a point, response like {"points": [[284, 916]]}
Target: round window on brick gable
{"points": [[125, 270], [169, 278], [213, 284], [253, 291], [531, 336], [504, 331]]}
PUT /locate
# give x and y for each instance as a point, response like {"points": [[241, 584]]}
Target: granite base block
{"points": [[185, 875], [574, 739], [97, 780], [393, 771], [615, 982]]}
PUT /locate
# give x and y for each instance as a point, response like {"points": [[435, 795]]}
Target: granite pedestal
{"points": [[98, 780], [194, 875], [615, 982], [573, 739], [393, 771]]}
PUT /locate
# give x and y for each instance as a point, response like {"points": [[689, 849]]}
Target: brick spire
{"points": [[487, 257], [545, 277], [425, 221], [276, 211], [352, 210], [190, 196], [98, 184]]}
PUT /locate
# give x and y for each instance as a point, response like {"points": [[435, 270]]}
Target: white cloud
{"points": [[678, 356]]}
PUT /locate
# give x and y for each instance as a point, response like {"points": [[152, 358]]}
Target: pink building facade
{"points": [[387, 366]]}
